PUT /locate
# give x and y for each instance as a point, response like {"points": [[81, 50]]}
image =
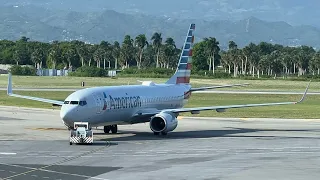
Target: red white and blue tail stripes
{"points": [[183, 71]]}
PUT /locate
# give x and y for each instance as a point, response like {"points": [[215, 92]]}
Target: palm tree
{"points": [[226, 61], [37, 56], [233, 48], [17, 56], [127, 51], [83, 53], [91, 49], [169, 52], [98, 55], [70, 56], [254, 62], [242, 57], [315, 62], [247, 51], [21, 54], [107, 52], [157, 42], [116, 53], [264, 64], [54, 54], [301, 57], [212, 49], [140, 42]]}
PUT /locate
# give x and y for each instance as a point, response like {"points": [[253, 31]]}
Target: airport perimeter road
{"points": [[34, 145], [209, 91]]}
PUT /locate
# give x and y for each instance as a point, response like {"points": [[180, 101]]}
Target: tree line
{"points": [[257, 59], [254, 59], [137, 52]]}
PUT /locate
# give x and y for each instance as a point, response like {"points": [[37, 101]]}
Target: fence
{"points": [[49, 72], [52, 72], [62, 72]]}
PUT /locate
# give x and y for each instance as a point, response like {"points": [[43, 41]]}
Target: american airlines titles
{"points": [[125, 102]]}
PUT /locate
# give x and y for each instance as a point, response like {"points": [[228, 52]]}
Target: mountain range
{"points": [[294, 12], [34, 19]]}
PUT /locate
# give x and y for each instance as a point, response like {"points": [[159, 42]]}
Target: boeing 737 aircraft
{"points": [[158, 104]]}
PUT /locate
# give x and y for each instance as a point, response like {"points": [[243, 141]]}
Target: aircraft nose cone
{"points": [[67, 116]]}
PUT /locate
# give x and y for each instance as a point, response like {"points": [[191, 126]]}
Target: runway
{"points": [[34, 145], [207, 91]]}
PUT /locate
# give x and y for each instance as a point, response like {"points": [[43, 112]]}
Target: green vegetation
{"points": [[67, 82], [75, 82], [141, 58], [308, 109], [22, 70], [87, 71]]}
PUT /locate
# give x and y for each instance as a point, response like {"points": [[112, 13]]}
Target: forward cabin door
{"points": [[99, 102]]}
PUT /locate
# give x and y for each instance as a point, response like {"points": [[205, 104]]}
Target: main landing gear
{"points": [[112, 128]]}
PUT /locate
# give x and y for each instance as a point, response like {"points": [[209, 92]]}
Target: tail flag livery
{"points": [[182, 74]]}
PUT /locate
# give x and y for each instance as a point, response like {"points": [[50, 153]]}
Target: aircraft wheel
{"points": [[156, 133], [106, 129], [70, 143], [114, 129]]}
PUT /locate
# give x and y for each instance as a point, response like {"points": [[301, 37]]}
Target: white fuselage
{"points": [[118, 104]]}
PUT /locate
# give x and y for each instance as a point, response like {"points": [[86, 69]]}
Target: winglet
{"points": [[9, 89], [305, 93]]}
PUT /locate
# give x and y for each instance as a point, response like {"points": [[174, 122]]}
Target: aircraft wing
{"points": [[223, 108], [10, 93], [149, 114], [215, 87]]}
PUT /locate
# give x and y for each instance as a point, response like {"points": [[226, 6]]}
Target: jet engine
{"points": [[163, 122]]}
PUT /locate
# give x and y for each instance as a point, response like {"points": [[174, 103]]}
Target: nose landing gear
{"points": [[112, 128]]}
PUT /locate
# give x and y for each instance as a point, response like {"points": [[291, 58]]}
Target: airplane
{"points": [[156, 104]]}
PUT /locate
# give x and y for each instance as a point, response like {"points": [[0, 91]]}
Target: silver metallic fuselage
{"points": [[118, 104]]}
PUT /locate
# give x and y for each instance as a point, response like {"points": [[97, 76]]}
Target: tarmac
{"points": [[34, 145]]}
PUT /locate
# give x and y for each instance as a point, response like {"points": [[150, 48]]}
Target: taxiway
{"points": [[34, 145]]}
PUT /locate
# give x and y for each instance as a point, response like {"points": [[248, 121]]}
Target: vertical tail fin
{"points": [[182, 74]]}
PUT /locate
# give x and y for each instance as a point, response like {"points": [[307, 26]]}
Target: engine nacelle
{"points": [[163, 122]]}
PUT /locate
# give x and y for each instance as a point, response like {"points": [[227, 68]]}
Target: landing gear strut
{"points": [[112, 128]]}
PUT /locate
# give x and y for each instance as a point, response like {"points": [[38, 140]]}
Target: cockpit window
{"points": [[74, 102], [83, 103]]}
